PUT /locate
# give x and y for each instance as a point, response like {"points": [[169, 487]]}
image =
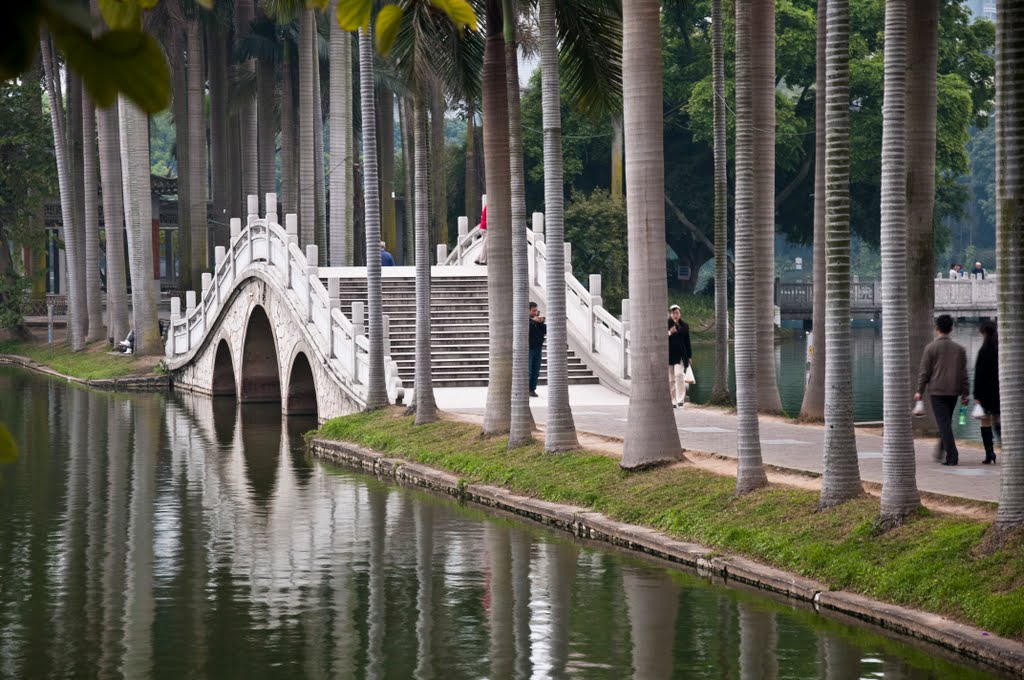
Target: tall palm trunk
{"points": [[498, 415], [72, 246], [182, 147], [407, 118], [319, 176], [350, 171], [377, 395], [289, 176], [720, 392], [763, 109], [922, 55], [386, 149], [1010, 253], [139, 210], [750, 473], [341, 72], [440, 207], [813, 407], [266, 132], [113, 221], [426, 407], [471, 190], [651, 435], [840, 480], [196, 156], [248, 114], [899, 481], [521, 426], [90, 178], [224, 204], [560, 431], [306, 156], [616, 182], [76, 160]]}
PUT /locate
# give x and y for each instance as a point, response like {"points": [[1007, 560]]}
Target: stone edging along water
{"points": [[136, 383], [966, 641]]}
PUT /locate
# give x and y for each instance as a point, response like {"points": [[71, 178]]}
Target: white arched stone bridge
{"points": [[269, 325]]}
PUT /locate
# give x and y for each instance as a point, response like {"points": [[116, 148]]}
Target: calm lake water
{"points": [[150, 536], [790, 365]]}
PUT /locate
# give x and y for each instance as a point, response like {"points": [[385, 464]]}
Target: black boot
{"points": [[990, 452]]}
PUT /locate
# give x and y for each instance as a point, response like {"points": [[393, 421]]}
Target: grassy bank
{"points": [[931, 563], [698, 311], [96, 362]]}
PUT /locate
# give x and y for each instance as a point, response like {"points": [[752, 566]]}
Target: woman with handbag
{"points": [[679, 356], [986, 389]]}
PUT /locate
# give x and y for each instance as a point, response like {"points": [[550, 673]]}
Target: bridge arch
{"points": [[224, 384], [301, 387], [261, 379]]}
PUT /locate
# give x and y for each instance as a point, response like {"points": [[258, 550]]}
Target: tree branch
{"points": [[693, 228], [784, 195]]}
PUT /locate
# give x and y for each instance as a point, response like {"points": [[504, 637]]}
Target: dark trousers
{"points": [[944, 406], [535, 357]]}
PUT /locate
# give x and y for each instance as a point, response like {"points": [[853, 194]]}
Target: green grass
{"points": [[96, 362], [928, 563], [698, 311]]}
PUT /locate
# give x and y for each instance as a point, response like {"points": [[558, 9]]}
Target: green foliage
{"points": [[162, 145], [931, 562], [596, 227]]}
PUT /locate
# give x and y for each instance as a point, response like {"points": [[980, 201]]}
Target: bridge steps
{"points": [[459, 334]]}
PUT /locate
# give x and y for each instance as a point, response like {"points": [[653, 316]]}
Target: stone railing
{"points": [[601, 340], [958, 297], [264, 246]]}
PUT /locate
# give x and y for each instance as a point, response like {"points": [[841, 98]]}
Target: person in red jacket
{"points": [[482, 257]]}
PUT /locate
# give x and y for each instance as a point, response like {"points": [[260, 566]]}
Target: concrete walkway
{"points": [[783, 443]]}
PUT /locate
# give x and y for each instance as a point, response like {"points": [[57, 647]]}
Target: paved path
{"points": [[783, 443]]}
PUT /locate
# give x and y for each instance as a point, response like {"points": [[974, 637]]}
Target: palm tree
{"points": [[386, 151], [437, 170], [840, 480], [377, 395], [763, 113], [138, 205], [651, 434], [405, 121], [341, 114], [750, 473], [720, 392], [306, 154], [560, 430], [92, 220], [813, 407], [426, 407], [196, 153], [498, 414], [319, 176], [899, 483], [113, 220], [1010, 254], [521, 427], [471, 190], [289, 167], [244, 14], [72, 247]]}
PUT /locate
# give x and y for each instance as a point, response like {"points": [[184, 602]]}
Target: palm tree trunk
{"points": [[306, 156], [76, 158], [813, 407], [521, 425], [899, 482], [341, 72], [471, 190], [289, 176], [266, 133], [651, 434], [72, 247], [616, 184], [319, 178], [440, 207], [763, 108], [408, 154], [720, 392], [223, 202], [498, 414], [179, 69], [750, 472], [922, 56], [386, 149], [426, 407], [350, 172], [92, 220], [560, 430], [196, 157], [247, 116], [840, 480], [377, 395], [113, 221], [1010, 254], [139, 210]]}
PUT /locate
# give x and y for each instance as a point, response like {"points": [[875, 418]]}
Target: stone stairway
{"points": [[459, 329]]}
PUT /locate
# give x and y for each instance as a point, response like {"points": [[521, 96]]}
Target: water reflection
{"points": [[151, 537]]}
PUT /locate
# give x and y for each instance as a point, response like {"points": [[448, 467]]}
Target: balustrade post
{"points": [[207, 280], [218, 257], [333, 302], [311, 270], [190, 308], [595, 302], [568, 258], [442, 253], [625, 341], [386, 340], [271, 202], [460, 245], [291, 228], [538, 237], [236, 229], [175, 316], [357, 331], [253, 205]]}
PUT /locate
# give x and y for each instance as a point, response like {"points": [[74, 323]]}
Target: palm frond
{"points": [[590, 54]]}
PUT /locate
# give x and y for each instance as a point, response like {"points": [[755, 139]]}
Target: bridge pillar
{"points": [[271, 208], [175, 315], [207, 280], [357, 330], [568, 256], [252, 202], [218, 256], [595, 302], [311, 272], [538, 237], [291, 227], [333, 302], [190, 308]]}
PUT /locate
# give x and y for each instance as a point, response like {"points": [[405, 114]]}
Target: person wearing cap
{"points": [[679, 355], [386, 260]]}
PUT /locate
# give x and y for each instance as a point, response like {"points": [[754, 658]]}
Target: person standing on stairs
{"points": [[538, 329], [679, 354], [986, 388]]}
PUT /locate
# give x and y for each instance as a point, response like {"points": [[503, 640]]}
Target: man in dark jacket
{"points": [[538, 329], [679, 355], [944, 373]]}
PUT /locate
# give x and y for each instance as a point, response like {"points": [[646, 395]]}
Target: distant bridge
{"points": [[962, 298]]}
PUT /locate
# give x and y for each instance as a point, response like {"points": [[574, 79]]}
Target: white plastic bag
{"points": [[978, 412], [688, 376], [918, 408]]}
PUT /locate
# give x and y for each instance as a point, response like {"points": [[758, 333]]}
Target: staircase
{"points": [[459, 329]]}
